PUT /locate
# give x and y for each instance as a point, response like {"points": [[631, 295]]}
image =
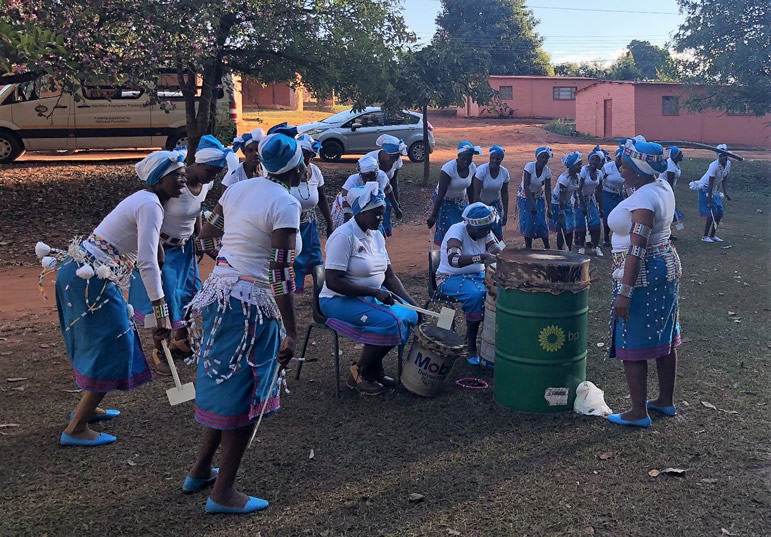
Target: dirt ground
{"points": [[482, 470]]}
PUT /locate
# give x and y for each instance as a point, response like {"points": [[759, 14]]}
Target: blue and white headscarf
{"points": [[478, 215], [154, 166], [309, 143], [571, 158], [499, 150], [280, 153], [619, 151], [285, 129], [365, 197], [673, 151], [598, 152], [645, 158], [367, 164], [467, 148], [240, 142], [391, 144], [211, 152], [723, 147], [544, 149]]}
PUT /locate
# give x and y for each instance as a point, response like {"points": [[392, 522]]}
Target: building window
{"points": [[670, 106], [506, 92], [564, 94]]}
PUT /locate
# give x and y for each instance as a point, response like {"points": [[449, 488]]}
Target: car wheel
{"points": [[176, 140], [331, 151], [417, 152], [11, 147]]}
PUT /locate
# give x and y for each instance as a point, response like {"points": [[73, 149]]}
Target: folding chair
{"points": [[320, 321]]}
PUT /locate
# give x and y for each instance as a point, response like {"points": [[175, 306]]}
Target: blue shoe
{"points": [[254, 504], [101, 440], [616, 418], [109, 414], [666, 410], [487, 364], [473, 360], [192, 484]]}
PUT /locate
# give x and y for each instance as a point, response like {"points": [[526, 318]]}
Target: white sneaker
{"points": [[582, 251], [706, 239], [717, 239], [598, 251]]}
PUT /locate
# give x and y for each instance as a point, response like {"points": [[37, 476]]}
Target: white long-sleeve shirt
{"points": [[134, 228], [180, 213]]}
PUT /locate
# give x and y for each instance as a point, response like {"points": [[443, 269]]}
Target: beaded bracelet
{"points": [[161, 311], [642, 230], [282, 288], [280, 275], [207, 245], [217, 220], [281, 255], [637, 251], [476, 258], [626, 290], [453, 256]]}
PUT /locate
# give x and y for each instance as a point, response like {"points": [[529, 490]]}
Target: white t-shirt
{"points": [[236, 176], [718, 172], [491, 186], [308, 191], [536, 181], [469, 247], [134, 228], [394, 167], [253, 209], [179, 214], [613, 181], [362, 255], [567, 181], [590, 185], [674, 168], [356, 180], [458, 185], [657, 197]]}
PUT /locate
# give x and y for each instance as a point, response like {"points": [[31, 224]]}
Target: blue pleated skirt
{"points": [[469, 290], [533, 226], [309, 257], [369, 321]]}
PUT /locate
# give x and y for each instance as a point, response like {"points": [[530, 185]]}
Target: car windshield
{"points": [[339, 117]]}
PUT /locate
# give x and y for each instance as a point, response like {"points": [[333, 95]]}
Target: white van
{"points": [[34, 118]]}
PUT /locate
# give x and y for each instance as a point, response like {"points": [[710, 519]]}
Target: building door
{"points": [[608, 115]]}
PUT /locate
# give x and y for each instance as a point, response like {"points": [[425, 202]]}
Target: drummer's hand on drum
{"points": [[621, 307], [487, 257], [384, 296]]}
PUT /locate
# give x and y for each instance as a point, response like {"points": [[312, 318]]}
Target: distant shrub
{"points": [[562, 125]]}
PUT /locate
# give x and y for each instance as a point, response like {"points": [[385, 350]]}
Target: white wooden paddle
{"points": [[181, 393], [264, 406], [446, 315]]}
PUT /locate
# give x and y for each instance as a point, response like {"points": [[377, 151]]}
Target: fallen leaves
{"points": [[605, 456], [311, 455], [15, 379], [677, 472], [8, 425], [709, 405], [416, 498], [654, 473], [451, 531]]}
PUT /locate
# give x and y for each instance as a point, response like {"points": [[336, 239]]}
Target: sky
{"points": [[573, 30]]}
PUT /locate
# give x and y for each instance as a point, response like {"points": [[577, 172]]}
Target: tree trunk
{"points": [[187, 85], [426, 160]]}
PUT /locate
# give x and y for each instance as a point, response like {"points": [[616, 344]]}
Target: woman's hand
{"points": [[621, 307], [384, 296], [548, 212], [162, 330], [487, 257], [286, 352], [727, 196], [398, 212], [504, 220], [431, 221]]}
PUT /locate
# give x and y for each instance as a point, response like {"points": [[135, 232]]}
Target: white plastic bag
{"points": [[590, 400]]}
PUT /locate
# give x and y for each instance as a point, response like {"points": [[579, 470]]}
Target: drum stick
{"points": [[714, 224], [264, 406]]}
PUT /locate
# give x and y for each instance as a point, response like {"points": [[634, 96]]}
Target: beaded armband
{"points": [[637, 251], [453, 256], [281, 280], [642, 230], [207, 245], [476, 258], [217, 220], [626, 290], [161, 311], [281, 255]]}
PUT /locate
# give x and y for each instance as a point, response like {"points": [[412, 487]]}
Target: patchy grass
{"points": [[562, 125], [267, 117]]}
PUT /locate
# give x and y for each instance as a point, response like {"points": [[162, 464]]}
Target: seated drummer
{"points": [[460, 277], [360, 290]]}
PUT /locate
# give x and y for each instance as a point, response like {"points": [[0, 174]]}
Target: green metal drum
{"points": [[540, 331]]}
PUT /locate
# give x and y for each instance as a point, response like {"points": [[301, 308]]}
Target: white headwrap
{"points": [[724, 147], [367, 164], [211, 151], [391, 144], [157, 164], [365, 197], [240, 142]]}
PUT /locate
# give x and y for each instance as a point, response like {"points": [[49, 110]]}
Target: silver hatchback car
{"points": [[356, 132]]}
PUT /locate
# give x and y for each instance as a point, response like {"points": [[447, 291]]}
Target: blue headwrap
{"points": [[240, 142], [571, 158], [498, 149], [309, 143], [391, 144], [544, 149], [673, 151], [211, 152], [365, 197], [466, 148], [478, 215], [283, 128], [598, 152], [154, 166], [619, 151], [280, 153], [645, 158]]}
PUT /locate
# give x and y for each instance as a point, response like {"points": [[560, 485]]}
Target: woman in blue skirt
{"points": [[590, 202], [612, 190], [491, 187], [179, 271], [646, 278], [533, 210], [361, 290], [310, 194], [563, 216], [453, 191], [466, 248], [238, 317], [710, 195], [91, 277]]}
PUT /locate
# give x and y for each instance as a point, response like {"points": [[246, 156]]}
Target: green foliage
{"points": [[225, 131], [640, 61], [502, 29], [562, 125], [725, 44]]}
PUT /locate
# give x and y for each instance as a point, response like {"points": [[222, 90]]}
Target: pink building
{"points": [[274, 95], [610, 109], [530, 97]]}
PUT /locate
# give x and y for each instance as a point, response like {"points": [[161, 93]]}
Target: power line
{"points": [[602, 10]]}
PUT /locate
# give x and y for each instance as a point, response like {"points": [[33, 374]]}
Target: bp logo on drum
{"points": [[551, 338]]}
